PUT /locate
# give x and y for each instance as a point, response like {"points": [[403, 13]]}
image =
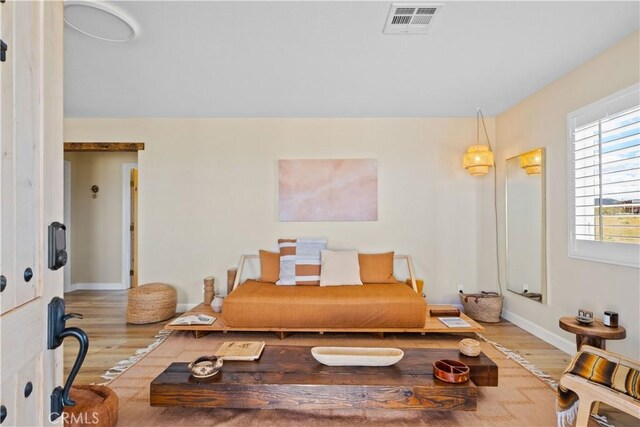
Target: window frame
{"points": [[624, 254]]}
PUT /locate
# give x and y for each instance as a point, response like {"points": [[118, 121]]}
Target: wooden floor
{"points": [[111, 339]]}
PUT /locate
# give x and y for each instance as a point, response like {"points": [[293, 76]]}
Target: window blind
{"points": [[606, 178]]}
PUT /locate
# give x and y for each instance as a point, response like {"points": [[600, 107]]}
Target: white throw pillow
{"points": [[339, 268]]}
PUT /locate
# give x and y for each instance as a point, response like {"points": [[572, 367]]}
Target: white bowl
{"points": [[357, 356]]}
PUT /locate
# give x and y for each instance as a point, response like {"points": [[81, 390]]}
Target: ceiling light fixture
{"points": [[99, 20], [479, 158]]}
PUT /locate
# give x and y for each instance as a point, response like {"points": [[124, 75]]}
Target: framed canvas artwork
{"points": [[328, 190]]}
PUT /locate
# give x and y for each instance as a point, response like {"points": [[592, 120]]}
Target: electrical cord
{"points": [[480, 117]]}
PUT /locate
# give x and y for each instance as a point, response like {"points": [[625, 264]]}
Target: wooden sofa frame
{"points": [[244, 258], [589, 392], [432, 324]]}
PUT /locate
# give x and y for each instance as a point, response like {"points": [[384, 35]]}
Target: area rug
{"points": [[521, 399]]}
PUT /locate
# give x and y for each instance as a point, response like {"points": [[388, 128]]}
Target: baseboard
{"points": [[182, 307], [565, 345], [97, 287]]}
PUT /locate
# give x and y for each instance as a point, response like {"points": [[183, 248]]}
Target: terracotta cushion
{"points": [[381, 305], [269, 266], [377, 268]]}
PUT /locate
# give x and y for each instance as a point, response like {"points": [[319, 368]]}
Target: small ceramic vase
{"points": [[217, 304]]}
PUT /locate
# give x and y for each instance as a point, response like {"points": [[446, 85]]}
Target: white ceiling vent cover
{"points": [[411, 18]]}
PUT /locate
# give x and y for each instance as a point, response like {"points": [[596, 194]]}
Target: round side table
{"points": [[596, 334]]}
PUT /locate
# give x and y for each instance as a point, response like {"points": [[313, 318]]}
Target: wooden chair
{"points": [[589, 392]]}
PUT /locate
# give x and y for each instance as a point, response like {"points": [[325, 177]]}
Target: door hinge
{"points": [[131, 228], [130, 272], [130, 183], [3, 51]]}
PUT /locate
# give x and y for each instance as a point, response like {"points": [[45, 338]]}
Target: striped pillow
{"points": [[300, 261]]}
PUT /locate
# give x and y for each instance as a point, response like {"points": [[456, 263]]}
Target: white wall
{"points": [[540, 120], [96, 224], [208, 193]]}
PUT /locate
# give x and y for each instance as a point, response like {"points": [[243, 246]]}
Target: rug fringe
{"points": [[564, 417], [125, 364], [522, 362], [568, 416]]}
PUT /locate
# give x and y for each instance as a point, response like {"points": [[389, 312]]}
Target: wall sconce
{"points": [[94, 191], [479, 158], [531, 162]]}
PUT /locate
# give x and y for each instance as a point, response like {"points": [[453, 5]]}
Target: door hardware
{"points": [[28, 388], [57, 245], [57, 332], [3, 51], [28, 274], [3, 283], [3, 413]]}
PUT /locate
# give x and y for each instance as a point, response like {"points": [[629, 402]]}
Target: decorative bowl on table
{"points": [[584, 320], [470, 347], [205, 366], [357, 356], [451, 371]]}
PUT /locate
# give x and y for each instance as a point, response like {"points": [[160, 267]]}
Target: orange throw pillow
{"points": [[376, 268], [269, 266]]}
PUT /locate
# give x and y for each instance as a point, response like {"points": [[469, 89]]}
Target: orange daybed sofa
{"points": [[263, 304]]}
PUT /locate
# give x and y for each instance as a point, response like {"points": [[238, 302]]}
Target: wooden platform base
{"points": [[432, 325], [289, 378]]}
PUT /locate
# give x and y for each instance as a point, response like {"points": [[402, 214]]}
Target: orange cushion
{"points": [[269, 266], [377, 268], [374, 305]]}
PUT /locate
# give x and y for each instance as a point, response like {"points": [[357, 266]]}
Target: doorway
{"points": [[130, 225], [101, 207]]}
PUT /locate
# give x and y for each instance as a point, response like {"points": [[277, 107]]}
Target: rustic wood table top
{"points": [[289, 377], [595, 334], [596, 329]]}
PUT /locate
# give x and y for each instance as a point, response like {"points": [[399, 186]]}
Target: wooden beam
{"points": [[103, 146]]}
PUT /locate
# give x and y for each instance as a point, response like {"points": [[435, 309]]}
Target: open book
{"points": [[240, 350], [195, 319], [454, 322]]}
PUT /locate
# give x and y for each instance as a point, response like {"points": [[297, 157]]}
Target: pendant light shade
{"points": [[478, 159], [531, 162]]}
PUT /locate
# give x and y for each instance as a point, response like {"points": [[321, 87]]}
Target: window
{"points": [[604, 179]]}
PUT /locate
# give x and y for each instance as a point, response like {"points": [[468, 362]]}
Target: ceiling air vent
{"points": [[411, 18]]}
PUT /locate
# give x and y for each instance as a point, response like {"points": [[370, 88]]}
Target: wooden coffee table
{"points": [[288, 377]]}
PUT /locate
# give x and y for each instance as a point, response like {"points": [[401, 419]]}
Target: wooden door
{"points": [[134, 227], [31, 196]]}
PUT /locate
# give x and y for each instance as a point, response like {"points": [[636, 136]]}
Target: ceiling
{"points": [[330, 59]]}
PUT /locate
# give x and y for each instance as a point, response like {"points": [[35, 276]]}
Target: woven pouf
{"points": [[96, 406], [151, 303]]}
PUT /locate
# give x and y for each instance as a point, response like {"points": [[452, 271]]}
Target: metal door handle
{"points": [[57, 332]]}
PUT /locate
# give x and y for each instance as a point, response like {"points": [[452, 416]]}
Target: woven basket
{"points": [[151, 303], [470, 347], [484, 307]]}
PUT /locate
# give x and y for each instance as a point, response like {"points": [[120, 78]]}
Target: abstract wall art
{"points": [[328, 190]]}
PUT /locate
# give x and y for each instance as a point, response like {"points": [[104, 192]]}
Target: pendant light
{"points": [[479, 157]]}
